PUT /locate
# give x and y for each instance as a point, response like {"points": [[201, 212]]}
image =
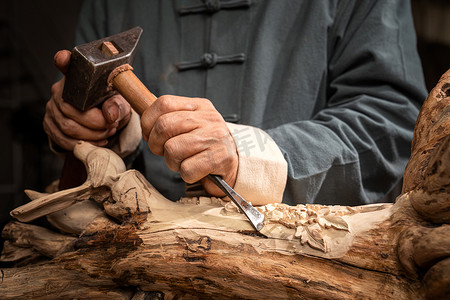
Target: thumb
{"points": [[62, 60], [115, 109]]}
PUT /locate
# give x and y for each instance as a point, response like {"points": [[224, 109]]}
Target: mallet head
{"points": [[90, 65]]}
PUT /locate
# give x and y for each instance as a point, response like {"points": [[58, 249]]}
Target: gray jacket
{"points": [[336, 84]]}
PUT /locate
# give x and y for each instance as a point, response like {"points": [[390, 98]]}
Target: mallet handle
{"points": [[132, 89]]}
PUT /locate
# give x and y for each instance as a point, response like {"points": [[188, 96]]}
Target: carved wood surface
{"points": [[132, 243]]}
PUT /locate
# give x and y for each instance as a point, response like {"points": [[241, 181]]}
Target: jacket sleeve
{"points": [[354, 151]]}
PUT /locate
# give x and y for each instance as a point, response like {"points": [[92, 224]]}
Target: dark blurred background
{"points": [[30, 34]]}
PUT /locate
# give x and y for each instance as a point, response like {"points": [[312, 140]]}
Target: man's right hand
{"points": [[65, 124]]}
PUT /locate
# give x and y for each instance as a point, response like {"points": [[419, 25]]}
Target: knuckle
{"points": [[170, 148], [219, 136], [207, 104], [173, 151], [48, 108], [164, 98], [55, 87], [65, 107], [166, 103], [155, 148], [67, 126], [45, 126], [221, 133], [228, 160], [213, 117], [187, 173], [173, 164], [214, 160], [216, 116], [161, 125]]}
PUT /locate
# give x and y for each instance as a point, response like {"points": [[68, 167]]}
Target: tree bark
{"points": [[132, 243]]}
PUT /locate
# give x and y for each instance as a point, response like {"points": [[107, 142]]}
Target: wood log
{"points": [[132, 243]]}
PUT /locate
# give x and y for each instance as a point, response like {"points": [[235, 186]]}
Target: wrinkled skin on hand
{"points": [[193, 138], [65, 124]]}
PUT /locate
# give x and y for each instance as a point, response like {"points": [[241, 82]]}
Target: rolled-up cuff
{"points": [[262, 172]]}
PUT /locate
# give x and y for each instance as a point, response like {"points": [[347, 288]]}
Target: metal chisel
{"points": [[255, 217]]}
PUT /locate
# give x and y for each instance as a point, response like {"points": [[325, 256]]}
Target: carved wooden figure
{"points": [[116, 237]]}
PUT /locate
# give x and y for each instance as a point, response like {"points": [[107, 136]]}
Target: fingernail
{"points": [[113, 114]]}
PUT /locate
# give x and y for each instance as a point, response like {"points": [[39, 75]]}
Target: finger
{"points": [[209, 125], [62, 140], [71, 128], [196, 167], [167, 104], [111, 112], [212, 189], [92, 118], [181, 147], [57, 136], [116, 111], [215, 159], [170, 125], [228, 171], [62, 60], [57, 89]]}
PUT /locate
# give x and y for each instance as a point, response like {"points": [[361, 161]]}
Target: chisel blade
{"points": [[255, 217]]}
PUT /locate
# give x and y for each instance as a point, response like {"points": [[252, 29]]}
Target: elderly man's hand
{"points": [[193, 138], [65, 124]]}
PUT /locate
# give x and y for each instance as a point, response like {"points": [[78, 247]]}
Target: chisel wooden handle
{"points": [[131, 88]]}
